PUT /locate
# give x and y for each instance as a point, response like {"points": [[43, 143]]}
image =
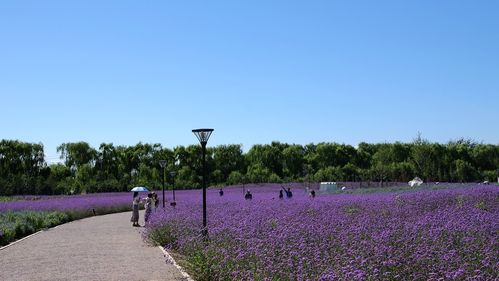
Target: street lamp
{"points": [[244, 182], [203, 135], [173, 174], [162, 163]]}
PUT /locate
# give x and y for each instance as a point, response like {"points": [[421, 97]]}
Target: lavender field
{"points": [[87, 202], [448, 234], [26, 215]]}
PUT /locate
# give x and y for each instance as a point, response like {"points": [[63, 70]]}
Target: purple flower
{"points": [[431, 234]]}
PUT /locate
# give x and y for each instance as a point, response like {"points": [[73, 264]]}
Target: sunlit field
{"points": [[427, 234], [445, 231]]}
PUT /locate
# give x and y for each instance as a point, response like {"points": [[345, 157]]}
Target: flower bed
{"points": [[422, 235], [23, 217]]}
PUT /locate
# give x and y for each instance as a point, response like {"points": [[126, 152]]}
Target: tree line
{"points": [[108, 168]]}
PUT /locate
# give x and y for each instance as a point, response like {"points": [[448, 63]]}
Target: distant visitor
{"points": [[248, 195]]}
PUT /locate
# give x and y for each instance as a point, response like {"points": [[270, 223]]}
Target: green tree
{"points": [[485, 157], [21, 167], [60, 179], [329, 174], [226, 159], [107, 162], [326, 156], [365, 151], [85, 180], [351, 172], [293, 162], [464, 171], [382, 159], [257, 173], [269, 156], [77, 154], [421, 157], [234, 178]]}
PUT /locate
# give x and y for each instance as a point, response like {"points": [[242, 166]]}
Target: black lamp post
{"points": [[203, 135], [173, 174], [162, 163], [244, 182]]}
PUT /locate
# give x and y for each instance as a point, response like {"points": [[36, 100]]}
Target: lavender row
{"points": [[63, 203], [23, 217]]}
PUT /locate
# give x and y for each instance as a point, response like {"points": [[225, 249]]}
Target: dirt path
{"points": [[98, 248]]}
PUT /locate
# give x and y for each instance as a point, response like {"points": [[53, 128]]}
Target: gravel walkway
{"points": [[97, 248]]}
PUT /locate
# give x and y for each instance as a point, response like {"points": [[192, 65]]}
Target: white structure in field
{"points": [[328, 187], [415, 182]]}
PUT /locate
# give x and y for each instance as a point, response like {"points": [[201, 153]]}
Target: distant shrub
{"points": [[15, 225]]}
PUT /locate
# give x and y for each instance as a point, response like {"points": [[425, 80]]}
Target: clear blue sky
{"points": [[256, 71]]}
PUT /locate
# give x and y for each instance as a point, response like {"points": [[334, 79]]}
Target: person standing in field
{"points": [[155, 200], [148, 207], [248, 195], [135, 209], [289, 194]]}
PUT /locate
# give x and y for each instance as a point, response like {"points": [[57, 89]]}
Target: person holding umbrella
{"points": [[136, 204], [135, 209]]}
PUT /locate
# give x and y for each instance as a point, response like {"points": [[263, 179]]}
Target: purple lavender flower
{"points": [[440, 234]]}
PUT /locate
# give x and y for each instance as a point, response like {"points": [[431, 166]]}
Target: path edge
{"points": [[55, 226], [19, 240], [46, 229], [171, 260]]}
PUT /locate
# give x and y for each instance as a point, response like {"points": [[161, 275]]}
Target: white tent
{"points": [[328, 187], [415, 182]]}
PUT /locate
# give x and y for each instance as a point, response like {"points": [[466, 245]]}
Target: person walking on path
{"points": [[148, 207], [135, 209]]}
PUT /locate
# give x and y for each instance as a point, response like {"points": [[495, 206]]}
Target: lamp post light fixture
{"points": [[203, 135], [162, 163], [173, 174]]}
